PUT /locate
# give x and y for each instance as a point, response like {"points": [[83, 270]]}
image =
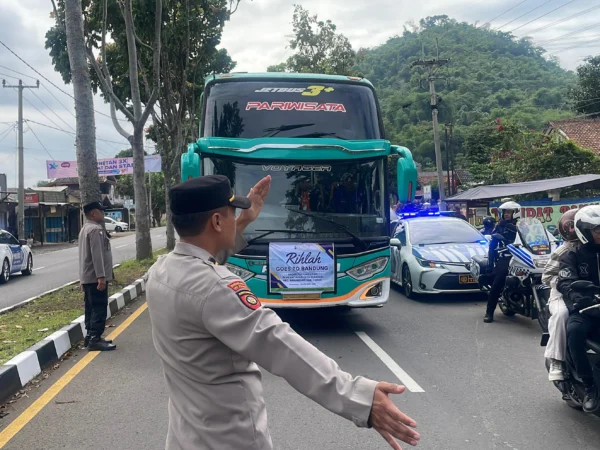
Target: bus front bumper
{"points": [[371, 294]]}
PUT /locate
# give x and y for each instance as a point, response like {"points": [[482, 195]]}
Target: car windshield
{"points": [[432, 231], [7, 238], [351, 194], [534, 236], [255, 109]]}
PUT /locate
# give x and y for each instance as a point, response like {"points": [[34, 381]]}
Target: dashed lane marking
{"points": [[405, 378]]}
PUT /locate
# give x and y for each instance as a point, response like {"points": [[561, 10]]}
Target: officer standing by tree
{"points": [[210, 331], [95, 272]]}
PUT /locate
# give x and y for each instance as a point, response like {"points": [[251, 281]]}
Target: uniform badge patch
{"points": [[244, 294]]}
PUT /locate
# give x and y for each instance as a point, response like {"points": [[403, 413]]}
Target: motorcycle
{"points": [[523, 292], [571, 387]]}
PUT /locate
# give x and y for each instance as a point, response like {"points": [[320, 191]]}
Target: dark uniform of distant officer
{"points": [[210, 331], [95, 272]]}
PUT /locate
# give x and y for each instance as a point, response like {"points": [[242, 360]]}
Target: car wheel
{"points": [[5, 273], [29, 269], [118, 229], [407, 283]]}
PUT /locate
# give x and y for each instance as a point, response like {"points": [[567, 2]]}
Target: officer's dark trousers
{"points": [[501, 272], [579, 327], [96, 303]]}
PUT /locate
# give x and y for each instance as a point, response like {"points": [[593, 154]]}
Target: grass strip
{"points": [[23, 327]]}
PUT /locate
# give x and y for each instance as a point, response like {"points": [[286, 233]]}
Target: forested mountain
{"points": [[491, 75]]}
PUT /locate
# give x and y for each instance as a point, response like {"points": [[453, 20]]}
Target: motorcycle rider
{"points": [[510, 213], [582, 264], [557, 325], [489, 223]]}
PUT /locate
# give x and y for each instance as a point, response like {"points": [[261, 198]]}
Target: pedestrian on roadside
{"points": [[95, 272], [211, 333]]}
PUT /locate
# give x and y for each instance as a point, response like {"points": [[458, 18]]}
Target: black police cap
{"points": [[91, 206], [204, 194]]}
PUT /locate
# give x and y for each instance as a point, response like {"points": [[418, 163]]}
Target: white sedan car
{"points": [[431, 255], [114, 225], [15, 257]]}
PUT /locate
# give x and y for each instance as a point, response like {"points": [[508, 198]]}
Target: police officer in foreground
{"points": [[95, 272], [211, 331]]}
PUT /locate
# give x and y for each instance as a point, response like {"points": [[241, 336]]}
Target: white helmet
{"points": [[510, 206], [586, 219]]}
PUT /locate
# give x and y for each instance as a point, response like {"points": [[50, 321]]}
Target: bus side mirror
{"points": [[406, 174], [190, 163]]}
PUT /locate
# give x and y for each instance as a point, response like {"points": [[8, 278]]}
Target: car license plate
{"points": [[466, 279]]}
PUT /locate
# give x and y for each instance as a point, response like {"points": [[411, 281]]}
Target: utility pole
{"points": [[450, 158], [21, 195], [447, 148], [432, 66]]}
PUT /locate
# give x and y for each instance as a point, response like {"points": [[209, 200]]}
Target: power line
{"points": [[72, 133], [38, 110], [574, 46], [61, 90], [572, 33], [53, 112], [7, 132], [543, 15], [18, 73], [38, 139], [59, 102], [545, 27], [523, 15], [505, 12]]}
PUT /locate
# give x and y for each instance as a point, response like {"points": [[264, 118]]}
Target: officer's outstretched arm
{"points": [[234, 315]]}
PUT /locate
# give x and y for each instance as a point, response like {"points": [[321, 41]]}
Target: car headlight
{"points": [[541, 263], [368, 269], [239, 272], [430, 264]]}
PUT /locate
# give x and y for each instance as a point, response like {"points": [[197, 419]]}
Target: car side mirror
{"points": [[395, 242], [22, 242]]}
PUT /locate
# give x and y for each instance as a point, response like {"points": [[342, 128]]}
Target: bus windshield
{"points": [[293, 109], [349, 194]]}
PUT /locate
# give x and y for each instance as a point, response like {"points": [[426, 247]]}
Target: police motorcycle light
{"points": [[239, 272], [368, 269]]}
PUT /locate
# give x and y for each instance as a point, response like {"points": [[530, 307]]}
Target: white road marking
{"points": [[38, 268], [410, 384], [121, 246]]}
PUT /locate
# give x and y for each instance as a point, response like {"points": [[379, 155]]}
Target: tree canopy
{"points": [[586, 94]]}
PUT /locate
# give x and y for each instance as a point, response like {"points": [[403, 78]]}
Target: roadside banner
{"points": [[106, 167]]}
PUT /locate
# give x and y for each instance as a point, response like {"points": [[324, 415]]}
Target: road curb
{"points": [[27, 365]]}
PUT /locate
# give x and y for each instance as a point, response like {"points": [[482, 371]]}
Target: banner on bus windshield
{"points": [[301, 268]]}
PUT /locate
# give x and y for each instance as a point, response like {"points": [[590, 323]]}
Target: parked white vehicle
{"points": [[15, 257], [112, 225]]}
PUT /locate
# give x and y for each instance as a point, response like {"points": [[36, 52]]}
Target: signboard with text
{"points": [[106, 167], [301, 268], [32, 200]]}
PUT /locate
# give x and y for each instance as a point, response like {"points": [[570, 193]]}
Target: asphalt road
{"points": [[485, 386], [54, 269]]}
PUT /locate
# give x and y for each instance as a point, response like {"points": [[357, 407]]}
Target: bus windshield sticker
{"points": [[295, 106], [310, 91]]}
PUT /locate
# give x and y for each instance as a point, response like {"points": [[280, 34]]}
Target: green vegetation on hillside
{"points": [[491, 75]]}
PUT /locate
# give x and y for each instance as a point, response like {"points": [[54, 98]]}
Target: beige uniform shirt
{"points": [[211, 332], [95, 255]]}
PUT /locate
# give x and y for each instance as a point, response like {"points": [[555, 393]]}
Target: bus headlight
{"points": [[239, 272], [368, 269]]}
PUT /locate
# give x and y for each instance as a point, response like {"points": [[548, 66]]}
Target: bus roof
{"points": [[285, 76]]}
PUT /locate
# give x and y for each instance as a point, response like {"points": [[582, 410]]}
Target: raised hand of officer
{"points": [[257, 196], [388, 420]]}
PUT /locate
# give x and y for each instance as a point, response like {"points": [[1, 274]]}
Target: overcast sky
{"points": [[256, 38]]}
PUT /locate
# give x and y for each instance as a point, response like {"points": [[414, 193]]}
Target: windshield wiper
{"points": [[268, 232], [317, 134], [278, 130], [355, 239]]}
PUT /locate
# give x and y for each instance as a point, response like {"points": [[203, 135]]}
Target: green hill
{"points": [[491, 75]]}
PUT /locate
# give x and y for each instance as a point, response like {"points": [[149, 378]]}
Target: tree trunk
{"points": [[170, 228], [143, 240], [85, 133]]}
